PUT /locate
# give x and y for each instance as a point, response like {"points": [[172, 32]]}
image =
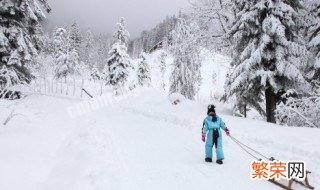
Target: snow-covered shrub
{"points": [[299, 110], [8, 78], [95, 74], [176, 98]]}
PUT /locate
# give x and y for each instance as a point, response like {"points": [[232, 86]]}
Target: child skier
{"points": [[211, 128]]}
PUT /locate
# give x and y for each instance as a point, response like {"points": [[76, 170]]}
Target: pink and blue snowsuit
{"points": [[212, 128]]}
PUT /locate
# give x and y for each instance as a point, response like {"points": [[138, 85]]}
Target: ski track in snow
{"points": [[140, 143]]}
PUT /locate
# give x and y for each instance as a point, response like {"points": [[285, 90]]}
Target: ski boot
{"points": [[219, 162], [208, 159]]}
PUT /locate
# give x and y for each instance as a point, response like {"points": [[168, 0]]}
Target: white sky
{"points": [[101, 15]]}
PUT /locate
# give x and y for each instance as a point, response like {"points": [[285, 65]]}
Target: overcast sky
{"points": [[101, 15]]}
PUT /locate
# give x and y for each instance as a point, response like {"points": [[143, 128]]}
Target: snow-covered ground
{"points": [[142, 142]]}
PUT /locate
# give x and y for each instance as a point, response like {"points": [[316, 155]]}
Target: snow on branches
{"points": [[185, 78], [121, 35], [299, 109], [118, 64], [19, 30], [268, 50], [314, 39], [143, 71]]}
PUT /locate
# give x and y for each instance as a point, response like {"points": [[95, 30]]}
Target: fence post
{"points": [[51, 86], [61, 86], [40, 87], [56, 86], [45, 85], [74, 86], [67, 90], [82, 83], [67, 86]]}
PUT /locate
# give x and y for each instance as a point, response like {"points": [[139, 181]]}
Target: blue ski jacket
{"points": [[211, 128]]}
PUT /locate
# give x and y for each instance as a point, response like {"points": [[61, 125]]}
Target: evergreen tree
{"points": [[66, 58], [102, 52], [75, 37], [268, 50], [143, 72], [118, 65], [121, 35], [314, 39], [186, 77], [20, 31], [88, 49], [118, 62]]}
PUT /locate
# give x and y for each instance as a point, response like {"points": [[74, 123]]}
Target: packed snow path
{"points": [[139, 143]]}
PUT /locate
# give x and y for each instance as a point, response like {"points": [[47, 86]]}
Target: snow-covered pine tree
{"points": [[314, 39], [19, 34], [61, 53], [303, 108], [48, 47], [60, 40], [268, 49], [118, 62], [75, 37], [143, 71], [87, 55], [121, 35], [101, 52], [186, 77]]}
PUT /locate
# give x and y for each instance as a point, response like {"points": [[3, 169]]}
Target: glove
{"points": [[227, 131], [203, 138]]}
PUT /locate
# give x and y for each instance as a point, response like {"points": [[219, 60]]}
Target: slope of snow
{"points": [[142, 142]]}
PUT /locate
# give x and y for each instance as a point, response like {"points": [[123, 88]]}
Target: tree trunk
{"points": [[271, 104], [243, 109]]}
